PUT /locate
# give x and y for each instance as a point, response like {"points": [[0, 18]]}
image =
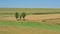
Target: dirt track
{"points": [[21, 30], [35, 17]]}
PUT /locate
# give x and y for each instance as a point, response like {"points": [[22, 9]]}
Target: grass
{"points": [[28, 24], [46, 13], [11, 11], [31, 24]]}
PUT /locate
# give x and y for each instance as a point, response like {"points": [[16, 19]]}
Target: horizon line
{"points": [[11, 7]]}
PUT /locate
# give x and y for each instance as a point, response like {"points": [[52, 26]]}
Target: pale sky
{"points": [[29, 3]]}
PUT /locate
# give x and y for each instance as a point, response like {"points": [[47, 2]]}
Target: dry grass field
{"points": [[9, 25], [49, 19], [21, 30]]}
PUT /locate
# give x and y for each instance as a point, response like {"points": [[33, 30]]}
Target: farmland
{"points": [[38, 21]]}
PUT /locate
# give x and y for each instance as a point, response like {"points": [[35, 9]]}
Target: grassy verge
{"points": [[31, 24]]}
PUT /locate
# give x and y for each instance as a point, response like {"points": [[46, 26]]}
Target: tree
{"points": [[23, 15], [16, 16]]}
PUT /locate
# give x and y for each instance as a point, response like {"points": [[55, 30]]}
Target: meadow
{"points": [[38, 21]]}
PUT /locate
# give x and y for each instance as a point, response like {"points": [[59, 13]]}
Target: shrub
{"points": [[16, 16], [23, 15]]}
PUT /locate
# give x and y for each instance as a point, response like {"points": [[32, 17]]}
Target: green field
{"points": [[7, 12], [28, 24]]}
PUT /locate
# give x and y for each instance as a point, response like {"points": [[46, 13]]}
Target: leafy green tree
{"points": [[16, 16], [23, 15]]}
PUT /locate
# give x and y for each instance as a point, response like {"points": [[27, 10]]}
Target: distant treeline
{"points": [[46, 13]]}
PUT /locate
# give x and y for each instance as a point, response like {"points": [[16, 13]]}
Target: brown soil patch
{"points": [[42, 17], [52, 21], [21, 30], [34, 17]]}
